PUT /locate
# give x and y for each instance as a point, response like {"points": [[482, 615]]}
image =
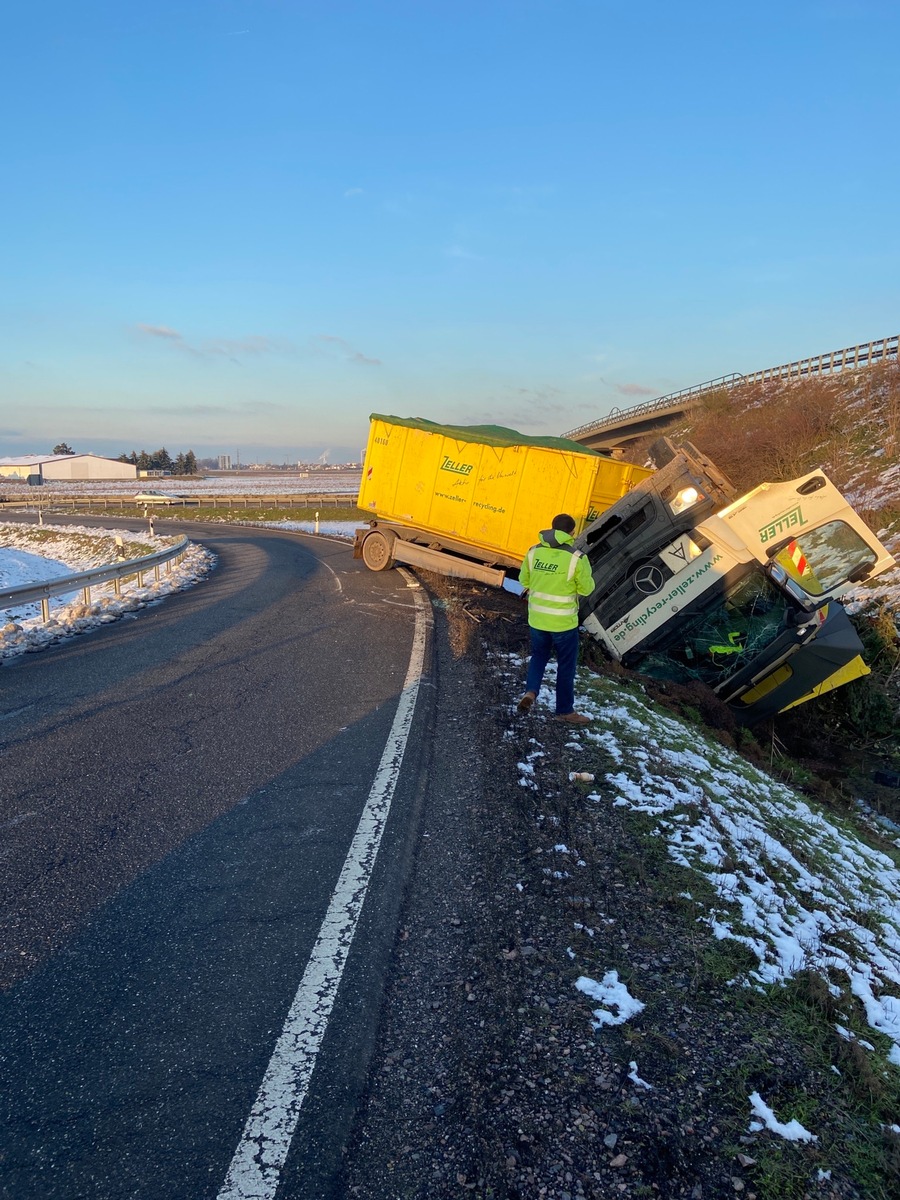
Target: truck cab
{"points": [[740, 593]]}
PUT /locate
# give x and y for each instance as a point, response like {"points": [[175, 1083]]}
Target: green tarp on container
{"points": [[488, 435]]}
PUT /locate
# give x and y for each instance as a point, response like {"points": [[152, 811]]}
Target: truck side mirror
{"points": [[779, 576]]}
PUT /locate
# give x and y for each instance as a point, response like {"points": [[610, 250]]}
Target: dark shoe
{"points": [[573, 718], [526, 702]]}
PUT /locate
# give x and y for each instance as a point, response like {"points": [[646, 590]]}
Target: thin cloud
{"points": [[170, 336], [233, 349], [189, 410], [623, 389], [634, 389], [543, 398], [161, 331], [253, 345], [522, 409], [354, 191], [263, 406], [216, 410], [348, 353]]}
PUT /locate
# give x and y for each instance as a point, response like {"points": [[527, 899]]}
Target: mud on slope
{"points": [[489, 1079]]}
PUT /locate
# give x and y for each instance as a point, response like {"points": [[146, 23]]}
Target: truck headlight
{"points": [[685, 499]]}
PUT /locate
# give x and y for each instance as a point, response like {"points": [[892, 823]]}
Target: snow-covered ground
{"points": [[799, 888], [250, 483], [32, 554], [344, 530]]}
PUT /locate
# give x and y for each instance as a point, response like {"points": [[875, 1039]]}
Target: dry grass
{"points": [[777, 431]]}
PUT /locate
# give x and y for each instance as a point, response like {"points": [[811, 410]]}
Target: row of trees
{"points": [[161, 460]]}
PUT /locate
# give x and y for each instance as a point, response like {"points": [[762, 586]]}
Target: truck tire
{"points": [[376, 551]]}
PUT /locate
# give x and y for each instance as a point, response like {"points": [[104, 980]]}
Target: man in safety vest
{"points": [[555, 574]]}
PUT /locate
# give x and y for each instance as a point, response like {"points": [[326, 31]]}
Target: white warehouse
{"points": [[40, 468]]}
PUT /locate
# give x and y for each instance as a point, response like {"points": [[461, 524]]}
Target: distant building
{"points": [[224, 462], [35, 469]]}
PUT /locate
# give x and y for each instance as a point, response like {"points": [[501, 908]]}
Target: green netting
{"points": [[488, 435]]}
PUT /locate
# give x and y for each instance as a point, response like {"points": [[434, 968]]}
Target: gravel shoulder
{"points": [[489, 1078]]}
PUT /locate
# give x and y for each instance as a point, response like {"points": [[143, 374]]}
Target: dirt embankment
{"points": [[489, 1079]]}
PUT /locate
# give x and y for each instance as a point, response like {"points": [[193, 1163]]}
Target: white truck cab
{"points": [[740, 594]]}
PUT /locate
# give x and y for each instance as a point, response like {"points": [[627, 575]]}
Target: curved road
{"points": [[178, 799]]}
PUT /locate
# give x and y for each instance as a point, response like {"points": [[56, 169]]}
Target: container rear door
{"points": [[382, 469]]}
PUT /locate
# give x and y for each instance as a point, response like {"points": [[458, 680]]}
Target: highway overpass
{"points": [[622, 426]]}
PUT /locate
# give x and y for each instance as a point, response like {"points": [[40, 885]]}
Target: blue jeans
{"points": [[543, 643]]}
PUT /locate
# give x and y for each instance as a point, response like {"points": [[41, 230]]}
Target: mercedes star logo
{"points": [[648, 579]]}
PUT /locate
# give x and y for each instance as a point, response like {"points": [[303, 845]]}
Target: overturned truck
{"points": [[691, 582], [694, 583]]}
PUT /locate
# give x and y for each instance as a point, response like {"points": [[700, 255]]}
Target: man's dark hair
{"points": [[564, 523]]}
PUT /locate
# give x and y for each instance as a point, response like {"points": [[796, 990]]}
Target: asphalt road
{"points": [[178, 796]]}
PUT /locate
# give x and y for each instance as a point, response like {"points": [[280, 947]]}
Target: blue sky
{"points": [[244, 225]]}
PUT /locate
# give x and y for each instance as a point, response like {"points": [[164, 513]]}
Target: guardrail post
{"points": [[86, 580]]}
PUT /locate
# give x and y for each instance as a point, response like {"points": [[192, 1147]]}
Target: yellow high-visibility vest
{"points": [[555, 577]]}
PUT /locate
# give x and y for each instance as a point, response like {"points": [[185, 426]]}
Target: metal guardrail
{"points": [[34, 499], [650, 406], [866, 354], [30, 592]]}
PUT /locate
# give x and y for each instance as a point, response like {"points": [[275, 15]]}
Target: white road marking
{"points": [[255, 1170], [340, 586]]}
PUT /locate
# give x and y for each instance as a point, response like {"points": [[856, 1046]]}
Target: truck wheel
{"points": [[376, 551]]}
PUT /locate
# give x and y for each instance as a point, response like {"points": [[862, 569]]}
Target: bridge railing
{"points": [[866, 354], [651, 406]]}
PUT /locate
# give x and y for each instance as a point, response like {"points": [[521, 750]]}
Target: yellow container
{"points": [[612, 481], [485, 486]]}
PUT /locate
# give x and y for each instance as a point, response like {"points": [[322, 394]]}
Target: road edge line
{"points": [[255, 1169]]}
